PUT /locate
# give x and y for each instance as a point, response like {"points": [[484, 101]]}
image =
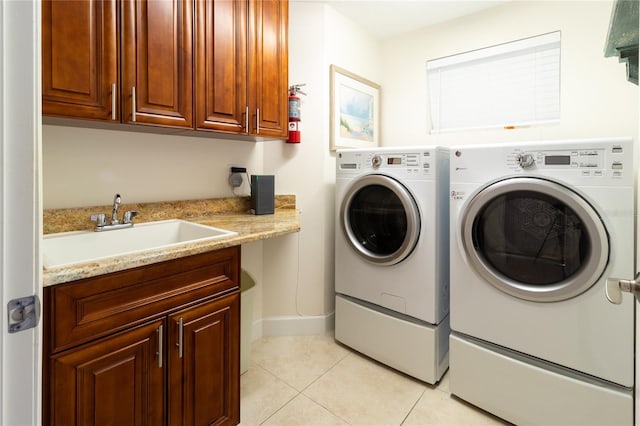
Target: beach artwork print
{"points": [[355, 105], [356, 114]]}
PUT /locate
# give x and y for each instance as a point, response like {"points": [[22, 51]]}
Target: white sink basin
{"points": [[69, 248]]}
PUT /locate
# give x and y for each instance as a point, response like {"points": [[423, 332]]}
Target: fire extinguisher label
{"points": [[294, 109], [294, 125]]}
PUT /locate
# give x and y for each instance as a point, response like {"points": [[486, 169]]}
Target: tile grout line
{"points": [[283, 405], [414, 406], [301, 393], [256, 364], [318, 378]]}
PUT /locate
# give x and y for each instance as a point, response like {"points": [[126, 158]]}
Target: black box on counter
{"points": [[262, 194]]}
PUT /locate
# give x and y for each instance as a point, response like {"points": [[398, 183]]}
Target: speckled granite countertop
{"points": [[227, 213]]}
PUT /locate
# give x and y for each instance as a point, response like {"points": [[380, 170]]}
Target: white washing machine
{"points": [[536, 230], [392, 255]]}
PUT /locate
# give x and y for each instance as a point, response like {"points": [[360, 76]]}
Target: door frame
{"points": [[20, 196]]}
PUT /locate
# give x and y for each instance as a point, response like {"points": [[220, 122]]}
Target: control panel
{"points": [[590, 162], [411, 162]]}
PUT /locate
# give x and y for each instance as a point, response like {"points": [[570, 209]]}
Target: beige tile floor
{"points": [[313, 380]]}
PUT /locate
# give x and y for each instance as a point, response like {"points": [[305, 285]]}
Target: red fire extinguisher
{"points": [[294, 113]]}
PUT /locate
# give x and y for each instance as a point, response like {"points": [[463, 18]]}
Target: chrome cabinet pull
{"points": [[615, 287], [257, 121], [246, 119], [113, 102], [133, 103], [180, 336], [159, 353]]}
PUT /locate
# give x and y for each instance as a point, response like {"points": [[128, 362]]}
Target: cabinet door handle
{"points": [[113, 102], [133, 104], [246, 119], [159, 353], [180, 336], [257, 121]]}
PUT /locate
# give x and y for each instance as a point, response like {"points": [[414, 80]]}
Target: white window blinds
{"points": [[509, 85]]}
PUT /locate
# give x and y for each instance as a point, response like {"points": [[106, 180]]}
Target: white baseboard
{"points": [[293, 326]]}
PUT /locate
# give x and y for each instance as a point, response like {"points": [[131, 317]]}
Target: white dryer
{"points": [[536, 230], [391, 256]]}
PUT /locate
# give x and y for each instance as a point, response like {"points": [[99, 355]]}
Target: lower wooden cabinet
{"points": [[166, 351], [114, 381], [202, 386]]}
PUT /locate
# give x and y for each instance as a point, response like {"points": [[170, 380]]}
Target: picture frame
{"points": [[354, 110]]}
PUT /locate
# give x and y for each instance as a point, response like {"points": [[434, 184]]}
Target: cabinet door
{"points": [[80, 59], [221, 65], [268, 67], [204, 363], [157, 62], [118, 380]]}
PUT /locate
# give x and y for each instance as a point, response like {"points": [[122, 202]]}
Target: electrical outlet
{"points": [[236, 176]]}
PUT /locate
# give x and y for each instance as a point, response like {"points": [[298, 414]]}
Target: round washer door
{"points": [[534, 239], [380, 219]]}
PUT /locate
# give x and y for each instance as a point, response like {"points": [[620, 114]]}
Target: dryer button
{"points": [[412, 160]]}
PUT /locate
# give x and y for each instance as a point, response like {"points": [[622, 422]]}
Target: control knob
{"points": [[525, 160], [376, 161]]}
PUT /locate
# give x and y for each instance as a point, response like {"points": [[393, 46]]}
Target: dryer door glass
{"points": [[535, 239], [380, 219]]}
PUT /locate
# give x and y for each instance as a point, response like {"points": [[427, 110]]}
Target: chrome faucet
{"points": [[101, 218], [114, 212]]}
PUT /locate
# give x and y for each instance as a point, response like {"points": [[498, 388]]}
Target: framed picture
{"points": [[355, 111]]}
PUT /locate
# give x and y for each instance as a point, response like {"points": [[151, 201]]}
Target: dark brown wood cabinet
{"points": [[116, 380], [157, 345], [242, 67], [201, 384], [268, 65], [80, 59], [118, 61], [157, 62], [221, 66], [215, 65]]}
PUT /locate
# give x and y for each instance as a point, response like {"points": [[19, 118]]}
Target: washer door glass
{"points": [[380, 219], [535, 239]]}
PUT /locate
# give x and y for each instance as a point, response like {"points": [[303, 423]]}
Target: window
{"points": [[503, 86]]}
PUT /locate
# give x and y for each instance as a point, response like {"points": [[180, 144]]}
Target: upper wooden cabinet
{"points": [[221, 66], [216, 65], [241, 67], [268, 65], [85, 75], [80, 59], [157, 62]]}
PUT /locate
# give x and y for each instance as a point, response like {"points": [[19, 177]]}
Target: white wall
{"points": [[596, 99], [86, 167]]}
